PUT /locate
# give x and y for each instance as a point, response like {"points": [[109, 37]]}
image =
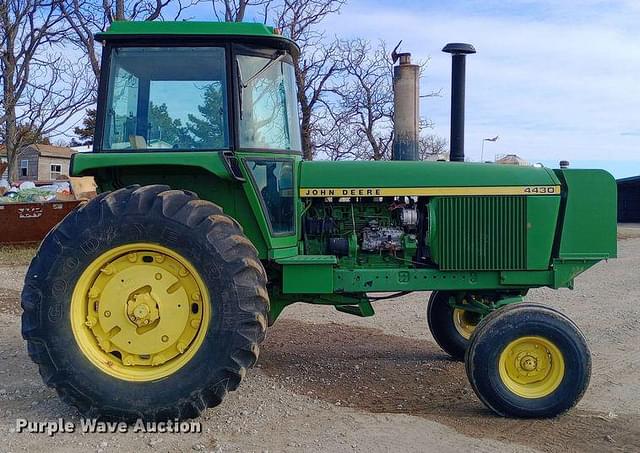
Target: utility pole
{"points": [[494, 139]]}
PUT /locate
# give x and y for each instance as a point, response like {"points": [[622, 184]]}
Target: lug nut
{"points": [[108, 269], [107, 314]]}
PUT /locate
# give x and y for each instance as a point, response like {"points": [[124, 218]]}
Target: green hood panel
{"points": [[405, 174]]}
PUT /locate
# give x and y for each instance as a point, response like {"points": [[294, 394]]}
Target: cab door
{"points": [[270, 187], [268, 141]]}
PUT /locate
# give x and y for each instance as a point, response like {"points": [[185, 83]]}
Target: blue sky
{"points": [[554, 79]]}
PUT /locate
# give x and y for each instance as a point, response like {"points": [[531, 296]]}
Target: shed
{"points": [[43, 162], [629, 200]]}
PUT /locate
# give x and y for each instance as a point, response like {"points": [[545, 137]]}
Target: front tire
{"points": [[145, 303], [528, 360], [450, 327]]}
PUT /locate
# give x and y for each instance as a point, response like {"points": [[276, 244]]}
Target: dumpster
{"points": [[22, 223]]}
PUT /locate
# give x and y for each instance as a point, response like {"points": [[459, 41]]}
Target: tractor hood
{"points": [[398, 178]]}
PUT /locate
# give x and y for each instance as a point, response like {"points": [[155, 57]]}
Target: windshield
{"points": [[269, 107], [167, 98]]}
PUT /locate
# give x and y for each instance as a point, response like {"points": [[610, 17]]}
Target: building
{"points": [[629, 200], [41, 162], [511, 159]]}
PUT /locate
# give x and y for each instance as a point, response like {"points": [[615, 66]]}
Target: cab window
{"points": [[268, 103], [274, 183], [171, 98]]}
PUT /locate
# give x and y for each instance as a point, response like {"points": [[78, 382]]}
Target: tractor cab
{"points": [[200, 87], [211, 107]]}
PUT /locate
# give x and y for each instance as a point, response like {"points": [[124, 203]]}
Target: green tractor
{"points": [[151, 300]]}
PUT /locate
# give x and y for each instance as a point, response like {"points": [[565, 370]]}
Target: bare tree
{"points": [[317, 62], [314, 74], [358, 116], [432, 147], [235, 10], [333, 135], [41, 88], [86, 17], [362, 102]]}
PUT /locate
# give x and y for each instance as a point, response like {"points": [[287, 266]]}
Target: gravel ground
{"points": [[327, 381]]}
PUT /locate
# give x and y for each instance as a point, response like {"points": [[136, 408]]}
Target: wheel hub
{"points": [[532, 367], [143, 310], [529, 363]]}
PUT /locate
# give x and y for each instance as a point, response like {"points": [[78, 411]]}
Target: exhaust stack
{"points": [[406, 107], [459, 52]]}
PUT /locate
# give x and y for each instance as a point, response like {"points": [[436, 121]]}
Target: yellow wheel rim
{"points": [[140, 312], [465, 322], [531, 367]]}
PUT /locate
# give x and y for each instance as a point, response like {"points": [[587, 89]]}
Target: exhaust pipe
{"points": [[406, 107], [459, 52]]}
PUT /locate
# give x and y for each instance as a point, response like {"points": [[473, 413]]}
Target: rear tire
{"points": [[222, 259], [529, 361]]}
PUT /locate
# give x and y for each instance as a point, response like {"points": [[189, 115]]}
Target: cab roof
{"points": [[123, 30]]}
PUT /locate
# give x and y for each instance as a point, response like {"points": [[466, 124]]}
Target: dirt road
{"points": [[327, 381]]}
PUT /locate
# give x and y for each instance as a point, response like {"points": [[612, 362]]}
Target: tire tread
{"points": [[222, 232]]}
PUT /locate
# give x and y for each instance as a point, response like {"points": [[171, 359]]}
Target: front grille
{"points": [[481, 233]]}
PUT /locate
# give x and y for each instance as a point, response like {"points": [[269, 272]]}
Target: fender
{"points": [[223, 164]]}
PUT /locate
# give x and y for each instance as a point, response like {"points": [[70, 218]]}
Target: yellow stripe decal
{"points": [[323, 192]]}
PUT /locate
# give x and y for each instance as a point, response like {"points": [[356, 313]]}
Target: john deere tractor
{"points": [[151, 300]]}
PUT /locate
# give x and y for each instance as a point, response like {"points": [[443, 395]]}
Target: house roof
{"points": [[53, 151], [512, 159], [62, 152]]}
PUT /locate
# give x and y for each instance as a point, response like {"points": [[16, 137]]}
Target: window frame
{"points": [[245, 46], [52, 171], [258, 193], [24, 167], [103, 91]]}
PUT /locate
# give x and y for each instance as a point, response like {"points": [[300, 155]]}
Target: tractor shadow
{"points": [[369, 370]]}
